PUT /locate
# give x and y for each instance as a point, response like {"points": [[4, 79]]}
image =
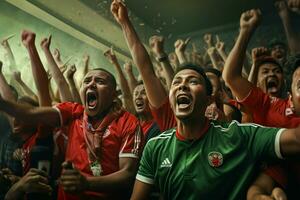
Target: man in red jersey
{"points": [[103, 139]]}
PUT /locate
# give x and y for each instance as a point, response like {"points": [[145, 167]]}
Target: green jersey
{"points": [[219, 165]]}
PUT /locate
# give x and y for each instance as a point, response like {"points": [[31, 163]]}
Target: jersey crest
{"points": [[215, 159]]}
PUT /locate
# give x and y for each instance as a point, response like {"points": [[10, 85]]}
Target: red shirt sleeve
{"points": [[68, 111], [278, 175], [256, 102], [132, 136], [164, 116]]}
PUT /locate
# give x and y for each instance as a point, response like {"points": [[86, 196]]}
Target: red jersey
{"points": [[273, 112], [122, 138], [164, 116], [270, 111]]}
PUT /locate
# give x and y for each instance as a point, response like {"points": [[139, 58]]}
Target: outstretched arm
{"points": [[155, 90], [70, 77], [128, 103], [26, 89], [5, 89], [180, 47], [9, 52], [157, 46], [131, 78], [38, 71], [232, 73], [57, 75], [292, 36]]}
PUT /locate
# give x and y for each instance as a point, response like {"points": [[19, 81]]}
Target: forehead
{"points": [[269, 65], [97, 73], [139, 87], [278, 46], [187, 73]]}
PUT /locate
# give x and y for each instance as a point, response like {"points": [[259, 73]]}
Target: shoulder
{"points": [[162, 138]]}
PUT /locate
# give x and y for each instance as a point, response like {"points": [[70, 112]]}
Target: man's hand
{"points": [[119, 11], [110, 55], [71, 71], [157, 44], [28, 38], [180, 45], [72, 180], [294, 5], [208, 39], [35, 181], [211, 50], [5, 43], [45, 43], [8, 174], [128, 67], [278, 194], [282, 8], [249, 20], [220, 46], [56, 54], [258, 52], [17, 76]]}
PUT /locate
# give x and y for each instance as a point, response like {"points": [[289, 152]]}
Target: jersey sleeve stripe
{"points": [[128, 155], [60, 116], [277, 143], [144, 179]]}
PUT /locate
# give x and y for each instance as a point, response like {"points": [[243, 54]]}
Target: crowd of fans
{"points": [[191, 126]]}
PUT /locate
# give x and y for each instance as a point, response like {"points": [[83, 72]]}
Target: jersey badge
{"points": [[215, 159]]}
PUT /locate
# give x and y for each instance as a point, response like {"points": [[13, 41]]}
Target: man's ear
{"points": [[290, 101]]}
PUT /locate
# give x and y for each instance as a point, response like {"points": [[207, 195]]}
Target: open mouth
{"points": [[91, 99], [272, 86], [139, 103], [183, 101]]}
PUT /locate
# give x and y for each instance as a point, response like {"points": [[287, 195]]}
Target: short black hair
{"points": [[113, 79], [268, 59], [200, 71]]}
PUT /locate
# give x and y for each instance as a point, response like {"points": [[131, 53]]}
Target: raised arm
{"points": [[128, 103], [212, 53], [26, 89], [5, 89], [38, 71], [131, 78], [157, 46], [292, 35], [180, 47], [9, 52], [57, 75], [232, 73], [70, 77], [155, 90], [256, 53], [220, 46]]}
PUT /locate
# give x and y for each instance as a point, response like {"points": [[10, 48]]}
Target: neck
{"points": [[192, 128], [146, 116]]}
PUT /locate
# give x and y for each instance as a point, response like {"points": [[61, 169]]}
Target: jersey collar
{"points": [[200, 134]]}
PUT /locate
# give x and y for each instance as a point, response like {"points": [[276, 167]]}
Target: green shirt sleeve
{"points": [[263, 142], [146, 172]]}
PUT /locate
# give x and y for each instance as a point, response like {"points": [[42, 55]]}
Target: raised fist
{"points": [[220, 46], [282, 8], [250, 19], [56, 54], [119, 11], [157, 44], [45, 43], [294, 5], [17, 76], [180, 45], [110, 55], [71, 71], [259, 52], [211, 50], [208, 39], [128, 67], [28, 38], [4, 42]]}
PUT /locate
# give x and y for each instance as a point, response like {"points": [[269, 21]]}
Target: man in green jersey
{"points": [[200, 159]]}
